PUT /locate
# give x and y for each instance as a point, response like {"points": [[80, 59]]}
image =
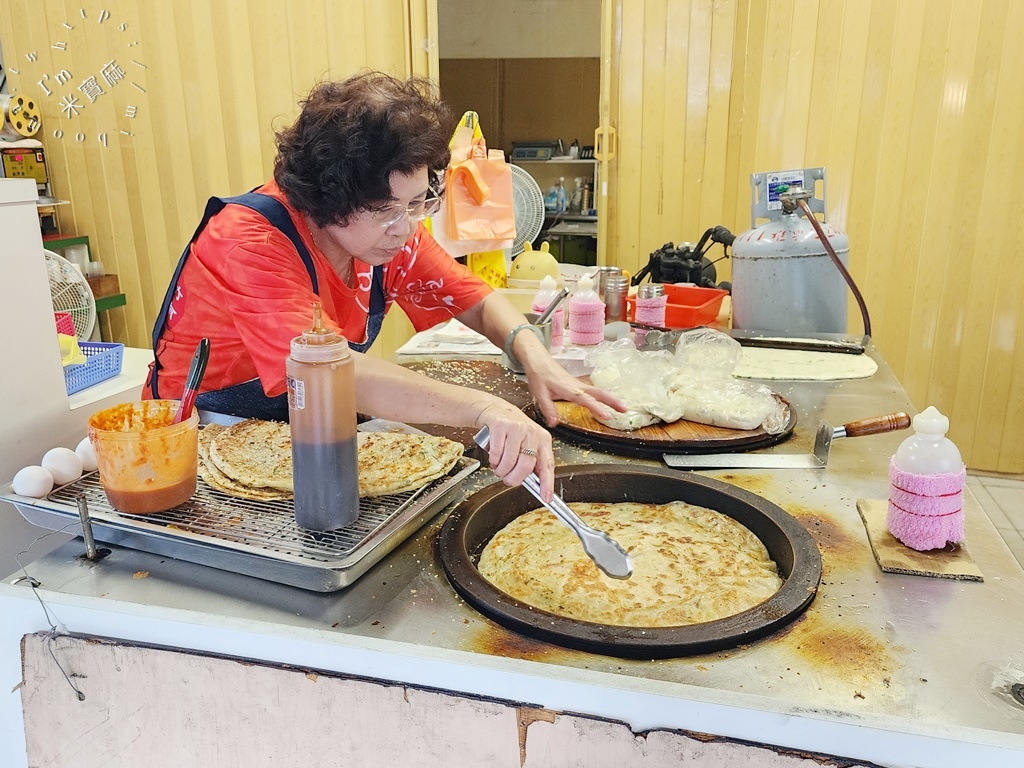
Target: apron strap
{"points": [[377, 308], [273, 211]]}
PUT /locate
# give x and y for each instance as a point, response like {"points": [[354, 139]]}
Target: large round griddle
{"points": [[472, 524]]}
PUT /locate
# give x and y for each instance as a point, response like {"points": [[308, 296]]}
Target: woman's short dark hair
{"points": [[338, 156]]}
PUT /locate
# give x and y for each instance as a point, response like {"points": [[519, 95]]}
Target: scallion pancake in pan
{"points": [[690, 565]]}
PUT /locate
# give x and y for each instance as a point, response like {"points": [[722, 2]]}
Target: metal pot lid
{"points": [[472, 524]]}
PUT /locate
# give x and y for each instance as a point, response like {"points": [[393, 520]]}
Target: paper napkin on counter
{"points": [[450, 338]]}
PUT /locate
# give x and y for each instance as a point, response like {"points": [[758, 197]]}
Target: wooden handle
{"points": [[890, 422]]}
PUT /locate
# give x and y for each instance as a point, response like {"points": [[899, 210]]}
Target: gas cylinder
{"points": [[783, 279]]}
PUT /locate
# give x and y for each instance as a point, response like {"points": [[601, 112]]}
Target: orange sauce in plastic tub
{"points": [[146, 462]]}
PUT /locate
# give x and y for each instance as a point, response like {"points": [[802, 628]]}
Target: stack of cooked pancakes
{"points": [[253, 460], [690, 565]]}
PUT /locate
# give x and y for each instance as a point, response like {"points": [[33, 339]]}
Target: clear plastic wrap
{"points": [[693, 383]]}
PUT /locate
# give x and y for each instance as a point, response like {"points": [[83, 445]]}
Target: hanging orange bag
{"points": [[478, 188]]}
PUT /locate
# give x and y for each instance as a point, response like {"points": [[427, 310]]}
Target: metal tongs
{"points": [[607, 554]]}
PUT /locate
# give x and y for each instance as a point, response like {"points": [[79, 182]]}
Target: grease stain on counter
{"points": [[850, 656], [493, 640]]}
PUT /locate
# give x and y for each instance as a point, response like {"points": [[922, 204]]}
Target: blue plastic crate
{"points": [[102, 362]]}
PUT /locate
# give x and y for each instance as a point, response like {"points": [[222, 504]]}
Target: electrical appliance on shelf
{"points": [[23, 157], [528, 208], [70, 292]]}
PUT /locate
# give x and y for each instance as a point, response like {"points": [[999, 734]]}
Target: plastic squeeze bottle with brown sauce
{"points": [[322, 412]]}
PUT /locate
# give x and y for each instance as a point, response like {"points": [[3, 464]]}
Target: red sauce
{"points": [[146, 464], [145, 501]]}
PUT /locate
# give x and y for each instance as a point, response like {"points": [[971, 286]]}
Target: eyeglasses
{"points": [[391, 214]]}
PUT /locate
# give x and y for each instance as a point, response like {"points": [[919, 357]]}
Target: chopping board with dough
{"points": [[577, 425]]}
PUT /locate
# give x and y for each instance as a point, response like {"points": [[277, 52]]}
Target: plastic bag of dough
{"points": [[709, 397], [638, 379], [694, 383], [710, 394], [708, 350]]}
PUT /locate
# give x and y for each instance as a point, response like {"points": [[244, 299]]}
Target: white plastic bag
{"points": [[693, 383]]}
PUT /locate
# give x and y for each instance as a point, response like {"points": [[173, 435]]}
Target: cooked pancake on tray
{"points": [[255, 453], [690, 565], [252, 459], [218, 480], [393, 462]]}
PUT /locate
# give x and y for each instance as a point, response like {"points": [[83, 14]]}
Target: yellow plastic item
{"points": [[70, 352], [534, 265], [490, 266]]}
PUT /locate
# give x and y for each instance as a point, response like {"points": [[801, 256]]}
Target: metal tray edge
{"points": [[287, 569]]}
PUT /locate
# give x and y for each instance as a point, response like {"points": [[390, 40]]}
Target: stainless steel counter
{"points": [[896, 669]]}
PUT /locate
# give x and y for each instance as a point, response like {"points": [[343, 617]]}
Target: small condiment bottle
{"points": [[616, 289], [541, 301], [322, 413], [926, 483], [650, 305], [586, 314]]}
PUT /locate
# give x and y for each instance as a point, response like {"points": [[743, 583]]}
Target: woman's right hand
{"points": [[518, 446]]}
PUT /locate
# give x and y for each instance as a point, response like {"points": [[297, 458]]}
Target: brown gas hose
{"points": [[839, 264]]}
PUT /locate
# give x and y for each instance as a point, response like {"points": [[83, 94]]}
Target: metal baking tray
{"points": [[255, 538]]}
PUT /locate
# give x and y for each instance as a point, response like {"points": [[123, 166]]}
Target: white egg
{"points": [[33, 481], [86, 454], [64, 464]]}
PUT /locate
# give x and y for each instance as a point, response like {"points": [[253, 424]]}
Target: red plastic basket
{"points": [[65, 324], [688, 305]]}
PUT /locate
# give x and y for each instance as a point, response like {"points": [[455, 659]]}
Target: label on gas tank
{"points": [[778, 183]]}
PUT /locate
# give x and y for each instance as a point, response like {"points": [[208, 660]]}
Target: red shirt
{"points": [[245, 288]]}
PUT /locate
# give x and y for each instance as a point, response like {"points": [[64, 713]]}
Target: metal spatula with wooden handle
{"points": [[874, 425], [607, 554]]}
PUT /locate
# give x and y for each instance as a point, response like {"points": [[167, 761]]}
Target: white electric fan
{"points": [[71, 293], [528, 208]]}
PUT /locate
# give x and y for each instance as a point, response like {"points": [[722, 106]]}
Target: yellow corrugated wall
{"points": [[207, 83], [913, 107]]}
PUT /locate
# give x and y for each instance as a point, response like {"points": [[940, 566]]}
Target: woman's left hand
{"points": [[549, 381]]}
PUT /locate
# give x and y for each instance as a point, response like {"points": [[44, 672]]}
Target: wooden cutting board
{"points": [[579, 426]]}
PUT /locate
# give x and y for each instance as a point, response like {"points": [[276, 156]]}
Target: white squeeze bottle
{"points": [[586, 314], [541, 300], [928, 451]]}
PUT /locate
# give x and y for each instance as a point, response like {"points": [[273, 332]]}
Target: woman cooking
{"points": [[341, 223]]}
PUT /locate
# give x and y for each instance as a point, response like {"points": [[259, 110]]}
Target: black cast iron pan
{"points": [[471, 525]]}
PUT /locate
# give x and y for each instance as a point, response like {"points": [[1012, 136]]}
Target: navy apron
{"points": [[248, 399]]}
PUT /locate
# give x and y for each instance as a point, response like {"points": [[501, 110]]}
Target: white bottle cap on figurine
{"points": [[928, 451], [931, 422]]}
